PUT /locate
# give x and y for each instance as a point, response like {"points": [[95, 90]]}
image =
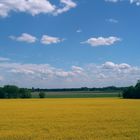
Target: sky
{"points": [[69, 43]]}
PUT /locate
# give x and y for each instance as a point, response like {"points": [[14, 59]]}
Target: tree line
{"points": [[103, 89], [132, 92], [11, 91]]}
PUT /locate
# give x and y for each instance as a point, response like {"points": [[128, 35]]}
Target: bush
{"points": [[42, 95]]}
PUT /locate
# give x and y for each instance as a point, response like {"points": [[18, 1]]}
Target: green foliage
{"points": [[11, 91], [25, 93], [42, 95], [2, 93], [82, 89], [79, 95], [132, 92], [138, 84]]}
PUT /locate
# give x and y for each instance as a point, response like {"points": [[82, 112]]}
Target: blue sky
{"points": [[69, 43]]}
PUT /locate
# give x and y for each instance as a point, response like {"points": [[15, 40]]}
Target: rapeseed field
{"points": [[70, 119]]}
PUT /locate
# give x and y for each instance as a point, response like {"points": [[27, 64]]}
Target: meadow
{"points": [[70, 119], [78, 94]]}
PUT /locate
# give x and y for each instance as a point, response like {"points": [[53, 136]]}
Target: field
{"points": [[78, 94], [70, 119]]}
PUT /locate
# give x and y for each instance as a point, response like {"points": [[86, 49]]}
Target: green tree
{"points": [[25, 93], [42, 95], [138, 84], [137, 90], [11, 91], [132, 92], [2, 93]]}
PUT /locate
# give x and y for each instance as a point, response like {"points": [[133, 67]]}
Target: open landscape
{"points": [[78, 94], [69, 70], [70, 119]]}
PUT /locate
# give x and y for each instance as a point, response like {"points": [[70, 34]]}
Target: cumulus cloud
{"points": [[47, 76], [102, 41], [68, 5], [24, 38], [111, 65], [34, 7], [47, 40]]}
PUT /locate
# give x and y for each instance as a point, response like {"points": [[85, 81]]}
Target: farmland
{"points": [[78, 94], [70, 119]]}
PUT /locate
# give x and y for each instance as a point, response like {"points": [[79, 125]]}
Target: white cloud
{"points": [[47, 40], [68, 5], [47, 76], [112, 20], [111, 65], [25, 38], [114, 1], [102, 41], [2, 59], [34, 7], [79, 31], [137, 2]]}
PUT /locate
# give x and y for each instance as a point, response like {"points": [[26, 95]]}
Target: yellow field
{"points": [[70, 119]]}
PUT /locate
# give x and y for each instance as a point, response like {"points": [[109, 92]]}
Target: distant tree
{"points": [[137, 90], [11, 91], [42, 95], [25, 93], [2, 93], [138, 84], [84, 88], [33, 89], [129, 92], [132, 92]]}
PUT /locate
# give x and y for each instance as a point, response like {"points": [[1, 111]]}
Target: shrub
{"points": [[42, 95]]}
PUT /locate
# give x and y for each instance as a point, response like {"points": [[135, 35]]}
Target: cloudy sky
{"points": [[69, 43]]}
